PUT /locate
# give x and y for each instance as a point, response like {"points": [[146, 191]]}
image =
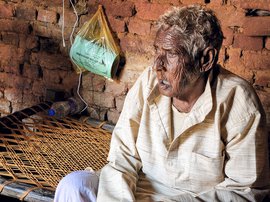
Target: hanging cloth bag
{"points": [[94, 48]]}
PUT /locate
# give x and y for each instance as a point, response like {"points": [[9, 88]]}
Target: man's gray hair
{"points": [[196, 26]]}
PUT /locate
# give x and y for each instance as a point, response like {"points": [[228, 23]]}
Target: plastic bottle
{"points": [[63, 108]]}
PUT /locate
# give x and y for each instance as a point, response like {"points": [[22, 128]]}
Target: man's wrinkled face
{"points": [[170, 64]]}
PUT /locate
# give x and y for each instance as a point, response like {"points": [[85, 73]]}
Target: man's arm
{"points": [[247, 166], [119, 177]]}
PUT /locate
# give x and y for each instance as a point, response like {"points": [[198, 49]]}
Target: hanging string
{"points": [[76, 22], [71, 42], [78, 91], [63, 24]]}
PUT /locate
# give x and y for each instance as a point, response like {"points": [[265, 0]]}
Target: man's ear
{"points": [[208, 59]]}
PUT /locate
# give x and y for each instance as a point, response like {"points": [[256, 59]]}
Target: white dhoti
{"points": [[78, 186]]}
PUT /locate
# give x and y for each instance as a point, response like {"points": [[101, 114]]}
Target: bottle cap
{"points": [[51, 112]]}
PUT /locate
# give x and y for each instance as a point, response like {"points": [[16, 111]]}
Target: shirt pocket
{"points": [[205, 172]]}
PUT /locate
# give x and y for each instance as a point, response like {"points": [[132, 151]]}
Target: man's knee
{"points": [[77, 186]]}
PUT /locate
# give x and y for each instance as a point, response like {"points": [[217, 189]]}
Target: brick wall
{"points": [[32, 57]]}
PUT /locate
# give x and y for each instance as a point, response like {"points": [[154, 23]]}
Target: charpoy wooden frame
{"points": [[39, 150]]}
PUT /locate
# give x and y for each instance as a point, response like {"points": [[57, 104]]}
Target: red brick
{"points": [[13, 94], [92, 82], [97, 113], [256, 60], [15, 1], [47, 16], [48, 45], [53, 61], [247, 42], [36, 3], [7, 51], [222, 56], [262, 78], [56, 3], [51, 76], [10, 66], [17, 107], [93, 112], [188, 2], [171, 2], [20, 55], [31, 71], [228, 36], [117, 25], [19, 82], [92, 8], [69, 79], [69, 18], [49, 3], [27, 13], [10, 38], [255, 4], [56, 32], [129, 76], [214, 3], [234, 59], [5, 108], [264, 97], [120, 9], [267, 43], [88, 97], [18, 26], [138, 44], [39, 87], [149, 11], [40, 29], [119, 101], [3, 75], [50, 61], [138, 62], [103, 114], [103, 100], [236, 65], [22, 40], [11, 53], [65, 50], [29, 99], [139, 27], [229, 16], [6, 10], [34, 58], [31, 42], [115, 88], [83, 19], [257, 26], [113, 116], [50, 31]]}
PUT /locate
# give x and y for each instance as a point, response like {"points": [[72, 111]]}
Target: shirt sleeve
{"points": [[119, 177], [247, 165]]}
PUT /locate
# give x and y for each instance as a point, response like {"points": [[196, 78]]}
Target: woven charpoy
{"points": [[40, 150]]}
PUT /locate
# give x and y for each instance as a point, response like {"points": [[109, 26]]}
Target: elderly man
{"points": [[189, 130]]}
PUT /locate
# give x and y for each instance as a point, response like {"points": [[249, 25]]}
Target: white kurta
{"points": [[221, 153]]}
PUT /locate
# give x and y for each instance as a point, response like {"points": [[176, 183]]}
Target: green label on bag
{"points": [[92, 56]]}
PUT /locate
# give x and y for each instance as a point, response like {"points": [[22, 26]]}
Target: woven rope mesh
{"points": [[40, 150]]}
